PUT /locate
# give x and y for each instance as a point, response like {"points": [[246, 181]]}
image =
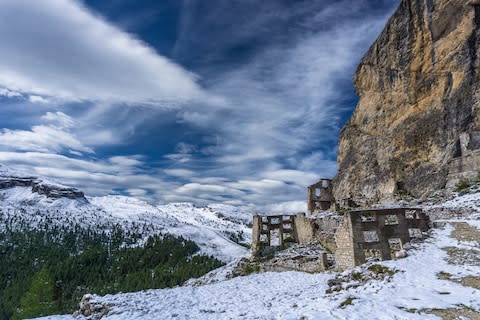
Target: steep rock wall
{"points": [[419, 97]]}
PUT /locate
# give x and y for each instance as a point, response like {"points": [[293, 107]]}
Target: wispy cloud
{"points": [[51, 137], [286, 97], [59, 49], [283, 98]]}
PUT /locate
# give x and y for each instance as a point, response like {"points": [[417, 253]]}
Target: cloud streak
{"points": [[58, 48], [284, 96]]}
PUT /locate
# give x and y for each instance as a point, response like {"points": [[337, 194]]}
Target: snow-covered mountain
{"points": [[29, 202]]}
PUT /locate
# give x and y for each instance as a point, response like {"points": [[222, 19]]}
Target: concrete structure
{"points": [[377, 233], [320, 196]]}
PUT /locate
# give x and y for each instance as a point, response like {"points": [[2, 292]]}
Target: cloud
{"points": [[286, 207], [285, 96], [37, 99], [59, 118], [182, 173], [9, 93], [59, 49], [96, 177], [292, 176], [127, 161], [41, 138], [53, 136], [139, 193]]}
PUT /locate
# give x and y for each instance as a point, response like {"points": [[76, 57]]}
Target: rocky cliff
{"points": [[416, 128], [10, 179]]}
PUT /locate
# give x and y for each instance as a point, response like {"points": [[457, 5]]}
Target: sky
{"points": [[222, 101]]}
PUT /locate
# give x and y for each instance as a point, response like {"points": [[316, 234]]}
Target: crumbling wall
{"points": [[344, 254], [319, 229], [377, 234], [320, 196], [270, 233], [464, 168]]}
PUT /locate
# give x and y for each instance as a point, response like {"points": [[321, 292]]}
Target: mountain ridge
{"points": [[32, 202]]}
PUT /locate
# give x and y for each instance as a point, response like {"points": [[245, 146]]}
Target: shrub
{"points": [[251, 268], [462, 185], [378, 268], [347, 302]]}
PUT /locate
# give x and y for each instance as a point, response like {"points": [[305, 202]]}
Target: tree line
{"points": [[47, 271]]}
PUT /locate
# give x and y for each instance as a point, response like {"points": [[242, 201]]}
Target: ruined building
{"points": [[377, 233], [320, 196], [353, 237]]}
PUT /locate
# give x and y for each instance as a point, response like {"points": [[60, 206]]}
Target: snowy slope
{"points": [[411, 293], [201, 225], [211, 228]]}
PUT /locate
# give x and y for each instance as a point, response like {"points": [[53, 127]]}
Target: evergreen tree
{"points": [[40, 298]]}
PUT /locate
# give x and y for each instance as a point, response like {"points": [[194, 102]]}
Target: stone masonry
{"points": [[377, 234], [354, 237], [320, 196]]}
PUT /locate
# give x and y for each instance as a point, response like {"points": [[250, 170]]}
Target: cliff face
{"points": [[419, 103]]}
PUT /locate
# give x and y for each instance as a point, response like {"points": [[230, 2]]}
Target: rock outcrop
{"points": [[50, 190], [416, 128]]}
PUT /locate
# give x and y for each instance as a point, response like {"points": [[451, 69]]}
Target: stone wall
{"points": [[320, 196], [270, 233], [319, 229], [344, 254], [464, 168], [378, 234]]}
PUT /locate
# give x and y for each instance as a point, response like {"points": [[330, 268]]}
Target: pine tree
{"points": [[39, 300]]}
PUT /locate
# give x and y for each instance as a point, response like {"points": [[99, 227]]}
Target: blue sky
{"points": [[227, 101]]}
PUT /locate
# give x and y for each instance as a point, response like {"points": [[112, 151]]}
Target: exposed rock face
{"points": [[419, 105], [50, 190]]}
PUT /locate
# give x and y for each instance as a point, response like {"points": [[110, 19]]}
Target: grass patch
{"points": [[462, 185], [378, 268], [357, 276], [347, 302], [250, 268], [444, 275]]}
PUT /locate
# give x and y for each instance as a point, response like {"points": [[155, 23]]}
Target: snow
{"points": [[296, 295], [470, 201], [202, 225], [288, 295]]}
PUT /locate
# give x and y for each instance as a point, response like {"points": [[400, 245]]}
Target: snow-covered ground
{"points": [[411, 293]]}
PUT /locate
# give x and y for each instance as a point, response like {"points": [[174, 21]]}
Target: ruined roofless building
{"points": [[377, 234], [320, 196], [354, 237]]}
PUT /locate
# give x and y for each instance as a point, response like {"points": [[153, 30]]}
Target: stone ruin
{"points": [[271, 234], [352, 237], [320, 196], [465, 164], [377, 234]]}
